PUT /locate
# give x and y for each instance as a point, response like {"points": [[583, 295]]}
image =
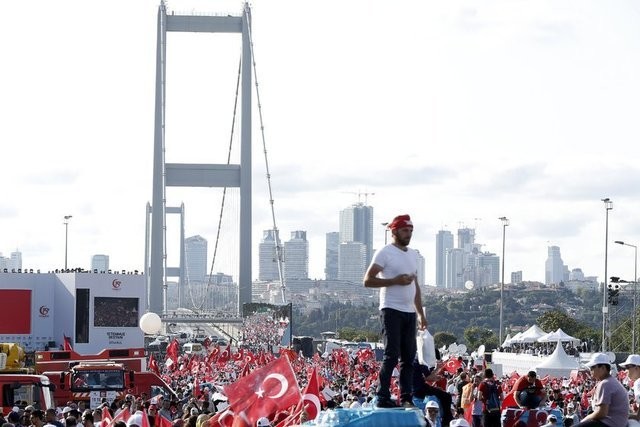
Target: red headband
{"points": [[401, 221]]}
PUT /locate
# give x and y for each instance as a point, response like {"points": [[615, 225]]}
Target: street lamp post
{"points": [[505, 223], [608, 205], [635, 285], [66, 238], [386, 230]]}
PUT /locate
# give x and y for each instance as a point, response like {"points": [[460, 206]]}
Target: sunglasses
{"points": [[432, 410]]}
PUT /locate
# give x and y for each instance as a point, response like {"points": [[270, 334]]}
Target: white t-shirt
{"points": [[636, 390], [395, 261]]}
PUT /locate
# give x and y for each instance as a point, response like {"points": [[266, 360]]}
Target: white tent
{"points": [[507, 341], [512, 341], [530, 335], [558, 364], [558, 335]]}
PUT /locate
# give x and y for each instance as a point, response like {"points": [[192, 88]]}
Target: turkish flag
{"points": [[162, 422], [221, 419], [172, 350], [106, 417], [153, 365], [452, 365], [66, 346], [145, 419], [123, 415], [263, 392], [311, 396]]}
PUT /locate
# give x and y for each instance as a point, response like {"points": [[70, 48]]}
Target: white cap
{"points": [[263, 422], [135, 419], [598, 359], [632, 359], [432, 404]]}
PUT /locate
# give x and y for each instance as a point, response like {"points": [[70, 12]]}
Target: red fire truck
{"points": [[94, 377], [58, 360], [18, 383]]}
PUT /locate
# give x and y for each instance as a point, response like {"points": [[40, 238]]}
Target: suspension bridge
{"points": [[207, 299]]}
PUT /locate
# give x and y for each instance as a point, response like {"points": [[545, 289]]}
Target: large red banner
{"points": [[15, 316]]}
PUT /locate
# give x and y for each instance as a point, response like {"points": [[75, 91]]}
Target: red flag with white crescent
{"points": [[452, 365], [311, 396], [264, 392]]}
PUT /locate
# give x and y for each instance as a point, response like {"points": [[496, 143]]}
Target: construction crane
{"points": [[360, 194]]}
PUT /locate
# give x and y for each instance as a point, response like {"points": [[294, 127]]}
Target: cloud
{"points": [[300, 179], [53, 177]]}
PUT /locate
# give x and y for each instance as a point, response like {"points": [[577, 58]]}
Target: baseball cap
{"points": [[598, 359], [432, 404], [194, 411], [632, 359], [67, 409], [400, 221], [552, 418]]}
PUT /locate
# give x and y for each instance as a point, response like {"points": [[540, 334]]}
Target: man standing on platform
{"points": [[394, 271]]}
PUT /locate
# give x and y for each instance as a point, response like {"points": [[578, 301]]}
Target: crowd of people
{"points": [[251, 386], [456, 392]]}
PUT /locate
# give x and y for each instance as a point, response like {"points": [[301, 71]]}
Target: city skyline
{"points": [[458, 114]]}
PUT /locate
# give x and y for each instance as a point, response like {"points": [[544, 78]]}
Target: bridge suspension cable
{"points": [[278, 246], [203, 299]]}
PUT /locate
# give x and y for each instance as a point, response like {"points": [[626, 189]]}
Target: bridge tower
{"points": [[199, 175]]}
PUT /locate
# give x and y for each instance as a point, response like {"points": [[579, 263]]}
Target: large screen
{"points": [[15, 315], [115, 312]]}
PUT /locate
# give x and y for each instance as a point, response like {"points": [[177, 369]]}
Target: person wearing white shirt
{"points": [[632, 365]]}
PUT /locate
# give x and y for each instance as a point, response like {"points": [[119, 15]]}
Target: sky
{"points": [[455, 112]]}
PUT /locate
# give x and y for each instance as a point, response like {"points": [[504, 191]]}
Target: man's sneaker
{"points": [[408, 404], [386, 403]]}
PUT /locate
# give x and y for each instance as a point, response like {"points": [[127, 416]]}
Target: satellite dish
{"points": [[481, 350], [462, 349], [453, 348], [469, 284]]}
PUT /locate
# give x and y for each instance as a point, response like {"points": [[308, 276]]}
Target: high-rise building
{"points": [[554, 268], [516, 277], [296, 256], [489, 269], [16, 259], [421, 268], [267, 258], [331, 257], [352, 261], [455, 268], [100, 263], [444, 242], [466, 238], [195, 248], [356, 225]]}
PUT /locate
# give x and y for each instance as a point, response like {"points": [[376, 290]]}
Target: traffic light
{"points": [[613, 291]]}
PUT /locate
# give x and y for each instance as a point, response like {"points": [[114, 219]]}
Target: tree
{"points": [[554, 319], [444, 339], [475, 336]]}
